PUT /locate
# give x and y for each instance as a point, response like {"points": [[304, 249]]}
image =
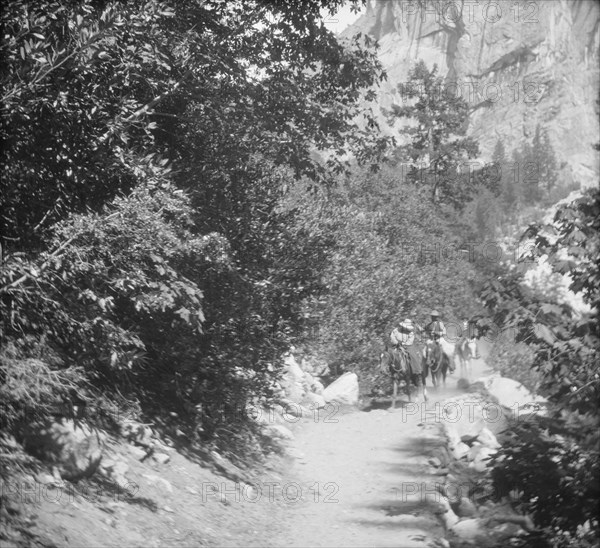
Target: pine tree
{"points": [[438, 139], [512, 190], [510, 198], [549, 169], [529, 172], [481, 221], [545, 163], [499, 169]]}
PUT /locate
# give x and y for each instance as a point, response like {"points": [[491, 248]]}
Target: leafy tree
{"points": [[437, 134], [147, 148], [116, 292], [392, 256], [562, 492], [91, 86]]}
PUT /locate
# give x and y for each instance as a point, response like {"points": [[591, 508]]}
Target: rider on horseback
{"points": [[436, 330], [403, 337], [404, 360], [470, 333]]}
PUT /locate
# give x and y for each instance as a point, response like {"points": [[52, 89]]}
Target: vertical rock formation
{"points": [[518, 63]]}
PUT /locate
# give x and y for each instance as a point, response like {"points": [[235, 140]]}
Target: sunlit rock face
{"points": [[518, 63]]}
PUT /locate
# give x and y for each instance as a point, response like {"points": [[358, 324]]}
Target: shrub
{"points": [[515, 360]]}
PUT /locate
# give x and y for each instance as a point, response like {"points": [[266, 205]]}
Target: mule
{"points": [[437, 362], [398, 364], [466, 351]]}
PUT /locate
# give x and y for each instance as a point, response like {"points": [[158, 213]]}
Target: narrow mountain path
{"points": [[352, 478], [364, 477]]}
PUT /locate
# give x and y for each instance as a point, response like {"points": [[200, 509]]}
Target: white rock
{"points": [[343, 390], [308, 378], [447, 514], [249, 493], [45, 478], [318, 387], [474, 451], [154, 479], [292, 368], [313, 385], [469, 529], [435, 462], [513, 395], [161, 458], [466, 414], [466, 508], [137, 452], [291, 410], [452, 435], [162, 447], [279, 431], [460, 450], [294, 390], [274, 415], [314, 401], [487, 438]]}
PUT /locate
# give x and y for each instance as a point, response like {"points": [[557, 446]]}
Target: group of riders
{"points": [[434, 332]]}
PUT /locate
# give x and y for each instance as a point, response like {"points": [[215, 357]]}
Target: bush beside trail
{"points": [[554, 460], [150, 265]]}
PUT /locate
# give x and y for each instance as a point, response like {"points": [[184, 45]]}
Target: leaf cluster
{"points": [[554, 460], [147, 148]]}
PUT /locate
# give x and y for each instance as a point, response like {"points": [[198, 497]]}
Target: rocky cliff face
{"points": [[518, 63]]}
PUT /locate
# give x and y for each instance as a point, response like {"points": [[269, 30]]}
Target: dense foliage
{"points": [[146, 150], [178, 206], [514, 361], [393, 256], [555, 461]]}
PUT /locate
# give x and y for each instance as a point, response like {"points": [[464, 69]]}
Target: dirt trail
{"points": [[356, 478], [364, 478]]}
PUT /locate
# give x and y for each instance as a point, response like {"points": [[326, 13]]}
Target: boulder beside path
{"points": [[343, 390]]}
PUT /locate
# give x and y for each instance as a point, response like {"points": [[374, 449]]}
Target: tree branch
{"points": [[147, 107], [52, 255]]}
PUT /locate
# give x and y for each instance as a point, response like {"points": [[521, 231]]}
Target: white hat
{"points": [[407, 325]]}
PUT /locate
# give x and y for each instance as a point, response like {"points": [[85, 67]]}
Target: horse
{"points": [[399, 365], [436, 361], [465, 351]]}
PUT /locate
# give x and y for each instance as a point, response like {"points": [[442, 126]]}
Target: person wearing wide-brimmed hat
{"points": [[435, 328], [436, 331], [404, 335]]}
